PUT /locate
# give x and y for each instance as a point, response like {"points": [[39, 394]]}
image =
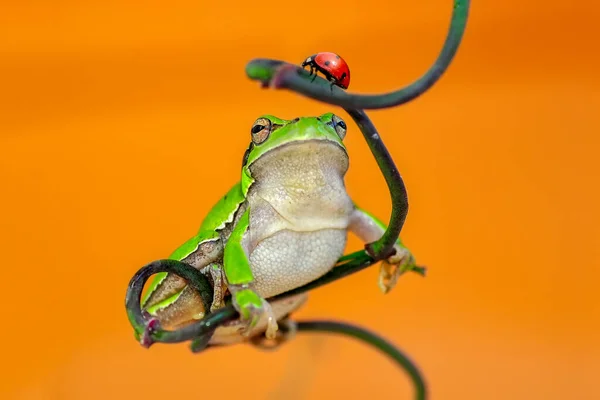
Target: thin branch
{"points": [[383, 247], [282, 75], [374, 340]]}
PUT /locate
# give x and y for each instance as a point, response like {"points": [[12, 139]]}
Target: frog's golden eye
{"points": [[261, 130], [339, 125]]}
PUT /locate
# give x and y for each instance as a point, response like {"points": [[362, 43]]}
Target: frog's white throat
{"points": [[299, 162], [299, 187]]}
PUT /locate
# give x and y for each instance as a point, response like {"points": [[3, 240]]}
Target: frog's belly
{"points": [[288, 259]]}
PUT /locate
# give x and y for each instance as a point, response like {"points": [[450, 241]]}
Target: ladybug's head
{"points": [[308, 61]]}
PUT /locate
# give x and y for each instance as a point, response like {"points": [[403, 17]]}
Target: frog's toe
{"points": [[395, 266], [216, 304], [401, 255], [217, 300], [286, 333], [249, 321], [253, 310], [216, 273], [255, 315], [272, 326], [388, 276], [249, 317]]}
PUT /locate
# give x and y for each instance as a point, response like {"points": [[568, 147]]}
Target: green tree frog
{"points": [[283, 225]]}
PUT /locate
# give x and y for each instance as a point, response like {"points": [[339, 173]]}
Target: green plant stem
{"points": [[383, 247], [374, 340], [282, 75], [149, 334]]}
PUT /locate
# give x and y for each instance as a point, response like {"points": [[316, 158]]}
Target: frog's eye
{"points": [[261, 130], [339, 125]]}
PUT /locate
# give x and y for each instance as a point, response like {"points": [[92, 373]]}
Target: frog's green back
{"points": [[224, 210]]}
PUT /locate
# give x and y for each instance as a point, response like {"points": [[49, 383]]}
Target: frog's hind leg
{"points": [[167, 285]]}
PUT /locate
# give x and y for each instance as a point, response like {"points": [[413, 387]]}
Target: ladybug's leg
{"points": [[317, 70], [333, 82]]}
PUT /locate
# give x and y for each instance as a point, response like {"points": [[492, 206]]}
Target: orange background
{"points": [[121, 123]]}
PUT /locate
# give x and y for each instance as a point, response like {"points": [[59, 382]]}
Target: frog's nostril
{"points": [[295, 120]]}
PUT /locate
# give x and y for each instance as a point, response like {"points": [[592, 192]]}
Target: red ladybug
{"points": [[332, 66]]}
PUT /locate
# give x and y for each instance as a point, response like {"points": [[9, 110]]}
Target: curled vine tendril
{"points": [[281, 75]]}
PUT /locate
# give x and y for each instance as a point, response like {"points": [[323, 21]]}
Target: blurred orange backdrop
{"points": [[123, 122]]}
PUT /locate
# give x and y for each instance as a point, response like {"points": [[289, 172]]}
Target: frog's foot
{"points": [[395, 266], [252, 308], [285, 334]]}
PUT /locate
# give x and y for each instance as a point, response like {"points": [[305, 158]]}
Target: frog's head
{"points": [[276, 140]]}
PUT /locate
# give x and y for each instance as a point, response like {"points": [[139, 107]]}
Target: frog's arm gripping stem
{"points": [[279, 74]]}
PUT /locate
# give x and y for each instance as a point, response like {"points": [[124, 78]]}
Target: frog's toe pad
{"points": [[388, 276], [248, 323], [250, 316], [272, 326], [262, 316], [285, 334]]}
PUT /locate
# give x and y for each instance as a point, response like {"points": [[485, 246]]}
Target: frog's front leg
{"points": [[369, 229], [239, 277]]}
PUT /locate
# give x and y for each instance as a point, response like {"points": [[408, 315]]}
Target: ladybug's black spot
{"points": [[336, 56], [327, 62]]}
